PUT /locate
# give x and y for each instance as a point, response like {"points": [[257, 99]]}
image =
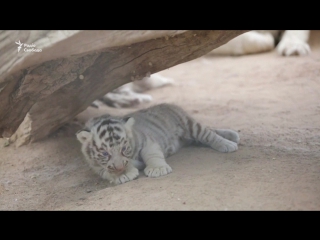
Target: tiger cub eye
{"points": [[105, 154]]}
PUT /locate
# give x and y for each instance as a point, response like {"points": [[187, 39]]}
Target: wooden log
{"points": [[49, 88]]}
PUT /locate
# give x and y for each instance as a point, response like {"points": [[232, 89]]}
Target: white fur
{"points": [[116, 147], [154, 81], [224, 145], [128, 126], [293, 42], [247, 43], [229, 134], [84, 136], [130, 174], [130, 94], [153, 157]]}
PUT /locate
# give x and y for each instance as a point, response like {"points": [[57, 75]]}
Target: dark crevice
{"points": [[17, 86]]}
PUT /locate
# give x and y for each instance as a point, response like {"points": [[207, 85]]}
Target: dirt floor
{"points": [[272, 101]]}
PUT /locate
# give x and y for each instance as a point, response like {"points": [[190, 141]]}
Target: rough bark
{"points": [[50, 88]]}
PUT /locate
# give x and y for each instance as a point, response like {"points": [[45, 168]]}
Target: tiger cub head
{"points": [[106, 143]]}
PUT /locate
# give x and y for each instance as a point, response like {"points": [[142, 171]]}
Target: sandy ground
{"points": [[272, 101]]}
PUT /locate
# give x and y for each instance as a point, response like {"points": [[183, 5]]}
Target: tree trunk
{"points": [[43, 90]]}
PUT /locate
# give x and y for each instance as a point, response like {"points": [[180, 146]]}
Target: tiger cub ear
{"points": [[129, 122], [84, 135]]}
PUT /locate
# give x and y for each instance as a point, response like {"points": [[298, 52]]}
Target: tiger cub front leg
{"points": [[156, 164], [130, 174]]}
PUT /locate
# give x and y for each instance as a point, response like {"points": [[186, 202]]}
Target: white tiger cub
{"points": [[288, 43], [116, 147], [131, 94]]}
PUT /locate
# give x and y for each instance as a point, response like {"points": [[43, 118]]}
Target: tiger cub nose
{"points": [[122, 167], [119, 170]]}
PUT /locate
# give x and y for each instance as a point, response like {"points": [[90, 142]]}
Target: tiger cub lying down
{"points": [[116, 147]]}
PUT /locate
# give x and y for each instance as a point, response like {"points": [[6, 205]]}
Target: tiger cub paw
{"points": [[157, 171], [229, 134], [128, 176], [226, 146]]}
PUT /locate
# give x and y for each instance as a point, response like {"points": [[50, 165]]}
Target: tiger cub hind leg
{"points": [[156, 164], [226, 142], [229, 134], [217, 142]]}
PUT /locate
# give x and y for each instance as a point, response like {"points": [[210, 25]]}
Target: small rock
{"points": [[6, 143], [184, 202], [88, 191]]}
